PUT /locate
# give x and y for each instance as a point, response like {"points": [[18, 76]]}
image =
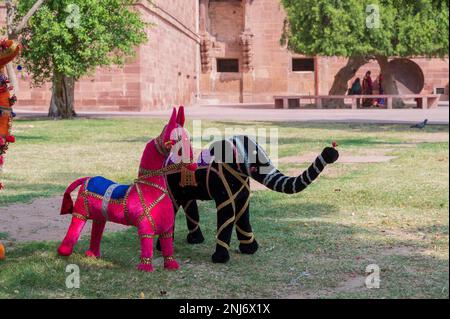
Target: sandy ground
{"points": [[38, 221]]}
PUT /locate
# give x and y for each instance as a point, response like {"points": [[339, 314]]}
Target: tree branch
{"points": [[15, 31]]}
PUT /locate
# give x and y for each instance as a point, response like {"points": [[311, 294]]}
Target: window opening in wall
{"points": [[302, 65], [228, 65]]}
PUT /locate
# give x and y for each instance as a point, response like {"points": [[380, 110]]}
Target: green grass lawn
{"points": [[315, 244]]}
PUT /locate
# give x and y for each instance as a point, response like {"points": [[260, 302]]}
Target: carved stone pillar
{"points": [[246, 38], [203, 21], [205, 52], [205, 40], [246, 4], [246, 41]]}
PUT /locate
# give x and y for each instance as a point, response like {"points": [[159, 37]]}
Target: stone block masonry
{"points": [[163, 73], [179, 63]]}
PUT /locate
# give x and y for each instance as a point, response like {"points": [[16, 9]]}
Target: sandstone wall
{"points": [[167, 70], [272, 64], [162, 74], [272, 72], [169, 61]]}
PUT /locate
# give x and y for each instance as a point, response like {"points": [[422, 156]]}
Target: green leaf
{"points": [[76, 42], [338, 28]]}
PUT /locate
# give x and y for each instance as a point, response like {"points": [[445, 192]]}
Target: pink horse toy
{"points": [[145, 204]]}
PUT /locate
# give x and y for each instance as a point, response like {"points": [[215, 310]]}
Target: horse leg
{"points": [[166, 240], [146, 234], [72, 236], [158, 241], [96, 237], [195, 235]]}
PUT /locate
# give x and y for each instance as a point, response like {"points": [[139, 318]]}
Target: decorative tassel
{"points": [[2, 186], [187, 177], [12, 101]]}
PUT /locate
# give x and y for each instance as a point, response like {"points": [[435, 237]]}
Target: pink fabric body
{"points": [[161, 213], [152, 214]]}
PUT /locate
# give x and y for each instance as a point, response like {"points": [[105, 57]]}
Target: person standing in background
{"points": [[356, 89], [367, 88], [380, 102]]}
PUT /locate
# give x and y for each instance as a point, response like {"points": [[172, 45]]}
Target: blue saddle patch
{"points": [[98, 185]]}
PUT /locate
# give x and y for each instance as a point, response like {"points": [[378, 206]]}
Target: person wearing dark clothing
{"points": [[380, 102], [367, 88], [356, 89]]}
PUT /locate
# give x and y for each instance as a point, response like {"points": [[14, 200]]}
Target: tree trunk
{"points": [[340, 84], [53, 110], [63, 96], [389, 83]]}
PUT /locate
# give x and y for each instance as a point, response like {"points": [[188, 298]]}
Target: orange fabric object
{"points": [[9, 51], [2, 252], [4, 125], [5, 117]]}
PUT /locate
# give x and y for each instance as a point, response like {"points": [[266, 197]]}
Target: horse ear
{"points": [[173, 118], [181, 118], [171, 125]]}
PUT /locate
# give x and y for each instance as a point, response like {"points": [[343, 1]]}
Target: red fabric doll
{"points": [[8, 52]]}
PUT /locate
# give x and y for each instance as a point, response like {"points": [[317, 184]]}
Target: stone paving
{"points": [[252, 112]]}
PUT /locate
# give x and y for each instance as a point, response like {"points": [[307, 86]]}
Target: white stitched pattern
{"points": [[309, 177], [303, 181], [268, 175], [271, 176], [294, 186], [322, 161], [278, 180], [316, 169], [284, 184]]}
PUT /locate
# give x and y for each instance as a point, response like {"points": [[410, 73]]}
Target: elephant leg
{"points": [[225, 222], [248, 244], [195, 235]]}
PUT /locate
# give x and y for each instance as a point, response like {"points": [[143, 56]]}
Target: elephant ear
{"points": [[181, 119]]}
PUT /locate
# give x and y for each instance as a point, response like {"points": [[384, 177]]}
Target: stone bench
{"points": [[294, 101]]}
